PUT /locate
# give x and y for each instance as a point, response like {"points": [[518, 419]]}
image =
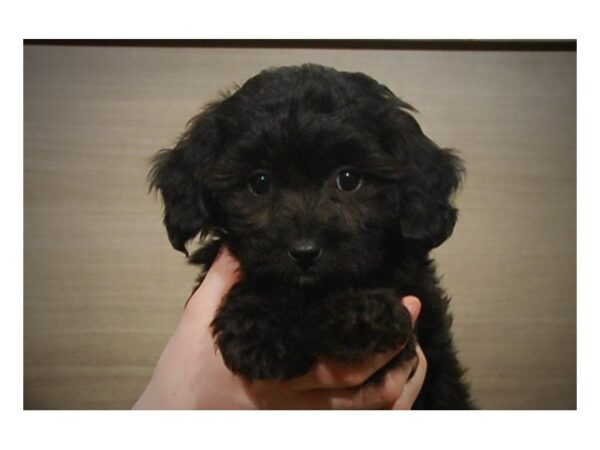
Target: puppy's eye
{"points": [[348, 180], [260, 183]]}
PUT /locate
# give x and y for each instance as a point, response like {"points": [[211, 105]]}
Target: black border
{"points": [[554, 45]]}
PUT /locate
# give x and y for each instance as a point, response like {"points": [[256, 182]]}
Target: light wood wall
{"points": [[103, 288]]}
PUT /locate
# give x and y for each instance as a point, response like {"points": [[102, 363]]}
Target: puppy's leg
{"points": [[260, 334], [355, 324]]}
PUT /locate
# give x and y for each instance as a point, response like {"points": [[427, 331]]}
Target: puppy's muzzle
{"points": [[305, 251]]}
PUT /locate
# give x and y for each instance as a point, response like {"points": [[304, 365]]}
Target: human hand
{"points": [[191, 374]]}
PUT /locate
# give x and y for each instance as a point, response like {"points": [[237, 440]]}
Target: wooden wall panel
{"points": [[103, 288]]}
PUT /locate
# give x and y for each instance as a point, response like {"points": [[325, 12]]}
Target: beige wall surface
{"points": [[103, 288]]}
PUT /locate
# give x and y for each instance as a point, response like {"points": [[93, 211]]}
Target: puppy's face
{"points": [[309, 175], [306, 200]]}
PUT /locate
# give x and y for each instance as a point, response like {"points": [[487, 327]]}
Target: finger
{"points": [[413, 304], [414, 384], [222, 275], [377, 396], [338, 375], [270, 394]]}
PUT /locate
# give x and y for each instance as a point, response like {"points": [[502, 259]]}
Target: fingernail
{"points": [[413, 304]]}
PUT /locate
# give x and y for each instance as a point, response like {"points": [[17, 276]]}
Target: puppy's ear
{"points": [[179, 174], [432, 176], [428, 175]]}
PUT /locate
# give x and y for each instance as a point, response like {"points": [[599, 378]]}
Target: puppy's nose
{"points": [[305, 251]]}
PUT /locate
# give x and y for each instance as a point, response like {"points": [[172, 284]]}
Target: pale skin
{"points": [[191, 374]]}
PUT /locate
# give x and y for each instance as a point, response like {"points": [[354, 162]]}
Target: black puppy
{"points": [[325, 188]]}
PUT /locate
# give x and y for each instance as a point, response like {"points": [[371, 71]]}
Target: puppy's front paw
{"points": [[257, 341], [358, 324]]}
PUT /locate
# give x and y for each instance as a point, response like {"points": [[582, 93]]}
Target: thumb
{"points": [[413, 304], [222, 275]]}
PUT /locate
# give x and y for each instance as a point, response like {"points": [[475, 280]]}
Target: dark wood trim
{"points": [[555, 45]]}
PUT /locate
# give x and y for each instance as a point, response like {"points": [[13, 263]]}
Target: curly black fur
{"points": [[301, 126]]}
